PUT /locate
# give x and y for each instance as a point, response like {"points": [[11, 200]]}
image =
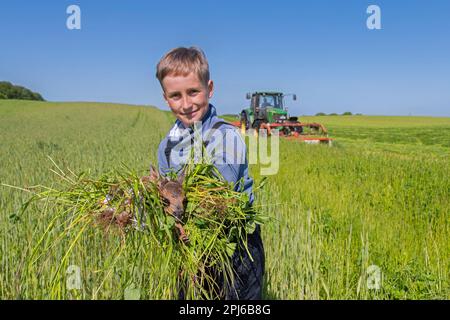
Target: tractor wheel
{"points": [[244, 120], [299, 130], [257, 124]]}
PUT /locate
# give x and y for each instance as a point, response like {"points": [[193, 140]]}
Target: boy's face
{"points": [[187, 97]]}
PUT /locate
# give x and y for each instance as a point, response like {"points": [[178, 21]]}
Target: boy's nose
{"points": [[186, 103]]}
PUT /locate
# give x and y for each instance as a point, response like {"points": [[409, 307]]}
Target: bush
{"points": [[348, 113], [10, 91], [320, 114]]}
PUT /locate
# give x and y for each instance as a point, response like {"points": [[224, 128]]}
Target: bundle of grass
{"points": [[162, 235]]}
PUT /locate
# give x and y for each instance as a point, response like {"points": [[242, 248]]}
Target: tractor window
{"points": [[271, 101], [278, 102]]}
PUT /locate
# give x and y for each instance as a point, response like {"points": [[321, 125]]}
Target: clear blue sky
{"points": [[321, 50]]}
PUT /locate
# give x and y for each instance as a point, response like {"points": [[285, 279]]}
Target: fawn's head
{"points": [[171, 192]]}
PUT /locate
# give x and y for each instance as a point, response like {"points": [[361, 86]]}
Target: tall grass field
{"points": [[368, 218]]}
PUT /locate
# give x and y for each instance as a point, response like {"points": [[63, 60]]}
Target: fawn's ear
{"points": [[154, 174], [181, 176], [162, 183]]}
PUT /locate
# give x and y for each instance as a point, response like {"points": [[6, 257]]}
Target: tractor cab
{"points": [[267, 100]]}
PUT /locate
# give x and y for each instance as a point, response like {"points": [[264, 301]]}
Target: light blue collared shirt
{"points": [[232, 163]]}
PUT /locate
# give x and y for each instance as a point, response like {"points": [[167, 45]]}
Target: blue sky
{"points": [[321, 50]]}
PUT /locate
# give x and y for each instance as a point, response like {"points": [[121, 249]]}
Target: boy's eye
{"points": [[174, 96], [193, 92]]}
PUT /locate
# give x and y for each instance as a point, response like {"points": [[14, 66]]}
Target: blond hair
{"points": [[182, 61]]}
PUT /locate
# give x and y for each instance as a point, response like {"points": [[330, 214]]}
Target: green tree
{"points": [[10, 91]]}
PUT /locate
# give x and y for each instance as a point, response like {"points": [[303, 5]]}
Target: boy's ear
{"points": [[210, 88]]}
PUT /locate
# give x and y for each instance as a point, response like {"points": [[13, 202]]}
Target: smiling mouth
{"points": [[190, 113]]}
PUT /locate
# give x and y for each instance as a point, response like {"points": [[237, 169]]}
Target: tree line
{"points": [[10, 91], [348, 113]]}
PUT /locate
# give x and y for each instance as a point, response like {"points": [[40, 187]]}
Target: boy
{"points": [[184, 77]]}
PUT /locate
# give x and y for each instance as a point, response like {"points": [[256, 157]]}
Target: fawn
{"points": [[173, 196]]}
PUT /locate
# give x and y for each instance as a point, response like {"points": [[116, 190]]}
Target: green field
{"points": [[379, 197]]}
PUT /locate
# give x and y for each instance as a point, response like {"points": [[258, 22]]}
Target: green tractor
{"points": [[265, 107], [268, 111]]}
